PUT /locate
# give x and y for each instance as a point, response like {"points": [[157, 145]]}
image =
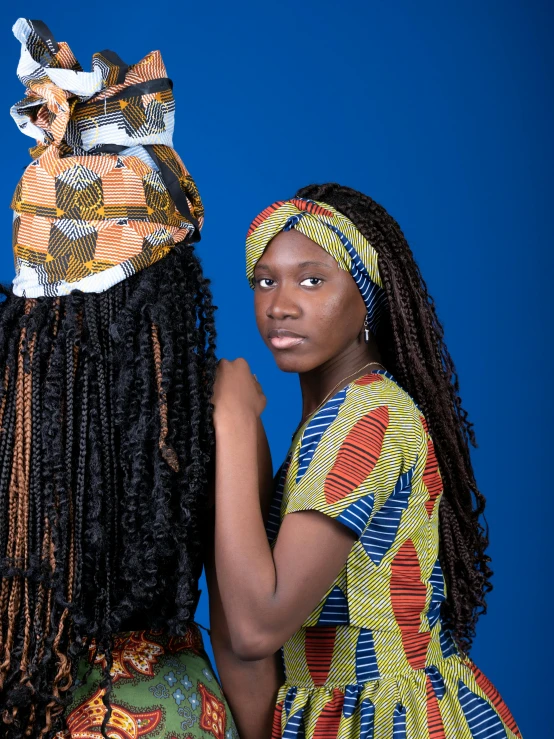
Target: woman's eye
{"points": [[311, 281], [265, 282]]}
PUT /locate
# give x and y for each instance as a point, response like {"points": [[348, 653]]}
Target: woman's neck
{"points": [[324, 381]]}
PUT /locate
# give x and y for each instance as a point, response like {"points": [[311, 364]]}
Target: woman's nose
{"points": [[282, 306]]}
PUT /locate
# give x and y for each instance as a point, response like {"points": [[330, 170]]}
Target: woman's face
{"points": [[308, 310]]}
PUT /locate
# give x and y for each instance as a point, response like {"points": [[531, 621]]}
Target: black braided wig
{"points": [[411, 341], [105, 444]]}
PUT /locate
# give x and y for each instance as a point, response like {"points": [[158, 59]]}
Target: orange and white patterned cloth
{"points": [[106, 194]]}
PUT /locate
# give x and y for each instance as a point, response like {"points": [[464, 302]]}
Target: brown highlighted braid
{"points": [[105, 442], [412, 344]]}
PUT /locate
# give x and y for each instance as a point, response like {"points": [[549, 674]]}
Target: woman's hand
{"points": [[236, 390]]}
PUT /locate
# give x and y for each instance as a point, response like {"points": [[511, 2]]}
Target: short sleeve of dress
{"points": [[352, 456]]}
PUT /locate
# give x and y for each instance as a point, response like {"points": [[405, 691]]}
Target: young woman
{"points": [[106, 374], [375, 571]]}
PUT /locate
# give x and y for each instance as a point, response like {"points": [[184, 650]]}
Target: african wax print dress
{"points": [[163, 687], [373, 660]]}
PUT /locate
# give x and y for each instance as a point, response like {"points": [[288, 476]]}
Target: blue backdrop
{"points": [[441, 111]]}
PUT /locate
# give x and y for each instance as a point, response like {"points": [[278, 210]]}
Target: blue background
{"points": [[443, 112]]}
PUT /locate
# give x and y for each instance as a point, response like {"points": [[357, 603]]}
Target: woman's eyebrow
{"points": [[313, 264]]}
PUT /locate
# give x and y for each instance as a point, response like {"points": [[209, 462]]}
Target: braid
{"points": [[411, 341], [105, 442]]}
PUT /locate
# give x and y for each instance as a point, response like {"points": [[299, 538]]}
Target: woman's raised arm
{"points": [[250, 686], [266, 596]]}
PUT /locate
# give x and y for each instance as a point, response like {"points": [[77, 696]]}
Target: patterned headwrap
{"points": [[106, 194], [334, 232]]}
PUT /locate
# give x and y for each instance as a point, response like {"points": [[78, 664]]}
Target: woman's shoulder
{"points": [[368, 411], [381, 388], [370, 429]]}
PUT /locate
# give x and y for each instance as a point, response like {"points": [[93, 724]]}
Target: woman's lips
{"points": [[281, 339]]}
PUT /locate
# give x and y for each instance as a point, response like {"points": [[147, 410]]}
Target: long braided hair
{"points": [[105, 442], [411, 342]]}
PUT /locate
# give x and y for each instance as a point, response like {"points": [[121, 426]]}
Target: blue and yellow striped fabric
{"points": [[374, 660]]}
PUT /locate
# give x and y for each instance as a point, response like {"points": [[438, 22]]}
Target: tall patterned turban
{"points": [[334, 232], [106, 194]]}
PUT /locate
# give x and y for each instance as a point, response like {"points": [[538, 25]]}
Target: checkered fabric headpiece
{"points": [[331, 230], [106, 194]]}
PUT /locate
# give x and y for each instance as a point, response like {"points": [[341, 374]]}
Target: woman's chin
{"points": [[289, 362]]}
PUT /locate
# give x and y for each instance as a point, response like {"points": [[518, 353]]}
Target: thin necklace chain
{"points": [[330, 394]]}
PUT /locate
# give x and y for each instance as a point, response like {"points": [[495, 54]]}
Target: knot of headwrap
{"points": [[106, 194], [334, 232]]}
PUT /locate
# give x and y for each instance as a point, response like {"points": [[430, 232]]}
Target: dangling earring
{"points": [[366, 328]]}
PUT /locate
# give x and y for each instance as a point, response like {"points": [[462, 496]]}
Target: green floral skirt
{"points": [[163, 687]]}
